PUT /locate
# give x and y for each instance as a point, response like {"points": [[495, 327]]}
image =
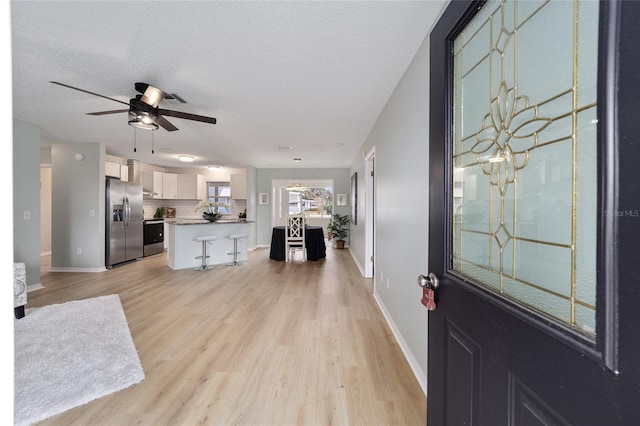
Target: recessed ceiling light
{"points": [[284, 147], [339, 144], [186, 158]]}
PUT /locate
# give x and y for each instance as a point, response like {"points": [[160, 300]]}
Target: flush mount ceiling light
{"points": [[186, 158], [213, 167]]}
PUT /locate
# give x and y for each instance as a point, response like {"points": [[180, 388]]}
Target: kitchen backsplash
{"points": [[186, 209]]}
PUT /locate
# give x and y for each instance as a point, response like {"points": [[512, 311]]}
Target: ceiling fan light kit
{"points": [[144, 122], [144, 111]]}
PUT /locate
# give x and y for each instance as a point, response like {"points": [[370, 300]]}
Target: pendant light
{"points": [[296, 186]]}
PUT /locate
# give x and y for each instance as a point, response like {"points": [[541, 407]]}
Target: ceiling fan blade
{"points": [[162, 122], [187, 116], [86, 91], [113, 111]]}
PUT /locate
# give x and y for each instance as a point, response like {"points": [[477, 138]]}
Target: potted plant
{"points": [[338, 229], [210, 209]]}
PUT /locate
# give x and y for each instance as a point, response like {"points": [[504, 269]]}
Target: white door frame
{"points": [[370, 218]]}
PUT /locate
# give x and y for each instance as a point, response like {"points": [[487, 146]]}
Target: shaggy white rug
{"points": [[69, 354]]}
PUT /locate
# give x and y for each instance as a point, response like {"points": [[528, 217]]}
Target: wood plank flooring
{"points": [[268, 343]]}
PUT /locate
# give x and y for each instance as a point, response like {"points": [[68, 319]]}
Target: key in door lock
{"points": [[428, 283]]}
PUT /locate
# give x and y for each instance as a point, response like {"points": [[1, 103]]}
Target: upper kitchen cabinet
{"points": [[169, 186], [191, 186], [116, 170], [152, 181], [112, 169], [238, 187]]}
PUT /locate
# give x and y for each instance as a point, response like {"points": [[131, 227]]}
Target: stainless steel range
{"points": [[153, 236]]}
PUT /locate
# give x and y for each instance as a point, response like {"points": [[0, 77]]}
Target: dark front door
{"points": [[535, 214]]}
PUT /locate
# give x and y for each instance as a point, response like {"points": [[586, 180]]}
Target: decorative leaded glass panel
{"points": [[524, 155]]}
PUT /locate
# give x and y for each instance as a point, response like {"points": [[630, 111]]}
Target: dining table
{"points": [[314, 241]]}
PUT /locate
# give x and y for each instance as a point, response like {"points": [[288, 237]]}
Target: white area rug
{"points": [[71, 353]]}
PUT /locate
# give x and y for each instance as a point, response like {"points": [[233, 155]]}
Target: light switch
{"points": [[26, 215], [92, 213]]}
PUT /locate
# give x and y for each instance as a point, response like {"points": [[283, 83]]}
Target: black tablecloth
{"points": [[314, 238]]}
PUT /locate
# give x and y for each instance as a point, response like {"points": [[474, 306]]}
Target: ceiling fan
{"points": [[143, 110]]}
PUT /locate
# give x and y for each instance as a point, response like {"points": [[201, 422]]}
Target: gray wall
{"points": [[341, 183], [26, 197], [400, 138], [78, 189]]}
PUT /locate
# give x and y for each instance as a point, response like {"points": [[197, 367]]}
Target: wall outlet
{"points": [[26, 215], [79, 251], [387, 283], [92, 213]]}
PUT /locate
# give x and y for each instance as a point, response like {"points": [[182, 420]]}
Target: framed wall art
{"points": [[263, 198], [341, 200], [354, 198]]}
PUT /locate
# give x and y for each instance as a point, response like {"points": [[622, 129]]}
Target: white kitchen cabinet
{"points": [[169, 186], [202, 188], [157, 184], [238, 187], [191, 186], [152, 181], [112, 169], [124, 172]]}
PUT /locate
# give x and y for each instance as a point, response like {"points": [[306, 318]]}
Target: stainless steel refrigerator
{"points": [[124, 227]]}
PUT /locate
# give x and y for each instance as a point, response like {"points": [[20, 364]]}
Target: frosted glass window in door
{"points": [[524, 155]]}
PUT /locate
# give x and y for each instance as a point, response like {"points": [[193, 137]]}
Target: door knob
{"points": [[429, 281]]}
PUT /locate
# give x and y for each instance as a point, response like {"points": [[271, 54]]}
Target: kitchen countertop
{"points": [[204, 221]]}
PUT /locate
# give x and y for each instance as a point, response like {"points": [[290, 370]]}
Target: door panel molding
{"points": [[528, 408], [463, 370]]}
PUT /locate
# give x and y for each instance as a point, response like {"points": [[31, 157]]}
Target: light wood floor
{"points": [[268, 343]]}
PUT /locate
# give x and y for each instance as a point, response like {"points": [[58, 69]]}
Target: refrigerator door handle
{"points": [[127, 211]]}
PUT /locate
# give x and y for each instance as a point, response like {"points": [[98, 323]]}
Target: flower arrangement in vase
{"points": [[210, 209]]}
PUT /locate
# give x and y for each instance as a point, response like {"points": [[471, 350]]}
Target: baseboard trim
{"points": [[355, 259], [34, 287], [413, 363], [71, 269]]}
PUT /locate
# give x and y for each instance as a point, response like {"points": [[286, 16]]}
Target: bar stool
{"points": [[235, 238], [204, 240]]}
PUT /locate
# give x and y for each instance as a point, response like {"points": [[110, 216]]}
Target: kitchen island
{"points": [[182, 250]]}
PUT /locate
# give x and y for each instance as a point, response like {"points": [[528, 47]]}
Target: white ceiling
{"points": [[310, 75]]}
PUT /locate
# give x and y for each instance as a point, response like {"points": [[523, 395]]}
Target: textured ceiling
{"points": [[310, 75]]}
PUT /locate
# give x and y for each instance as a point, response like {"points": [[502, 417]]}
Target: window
{"points": [[220, 192], [316, 202]]}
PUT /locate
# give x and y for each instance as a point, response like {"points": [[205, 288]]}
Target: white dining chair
{"points": [[294, 237]]}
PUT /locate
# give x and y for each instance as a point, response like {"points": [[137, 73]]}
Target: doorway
{"points": [[45, 218], [370, 219]]}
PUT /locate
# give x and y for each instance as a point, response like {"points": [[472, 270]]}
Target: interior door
{"points": [[534, 214]]}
